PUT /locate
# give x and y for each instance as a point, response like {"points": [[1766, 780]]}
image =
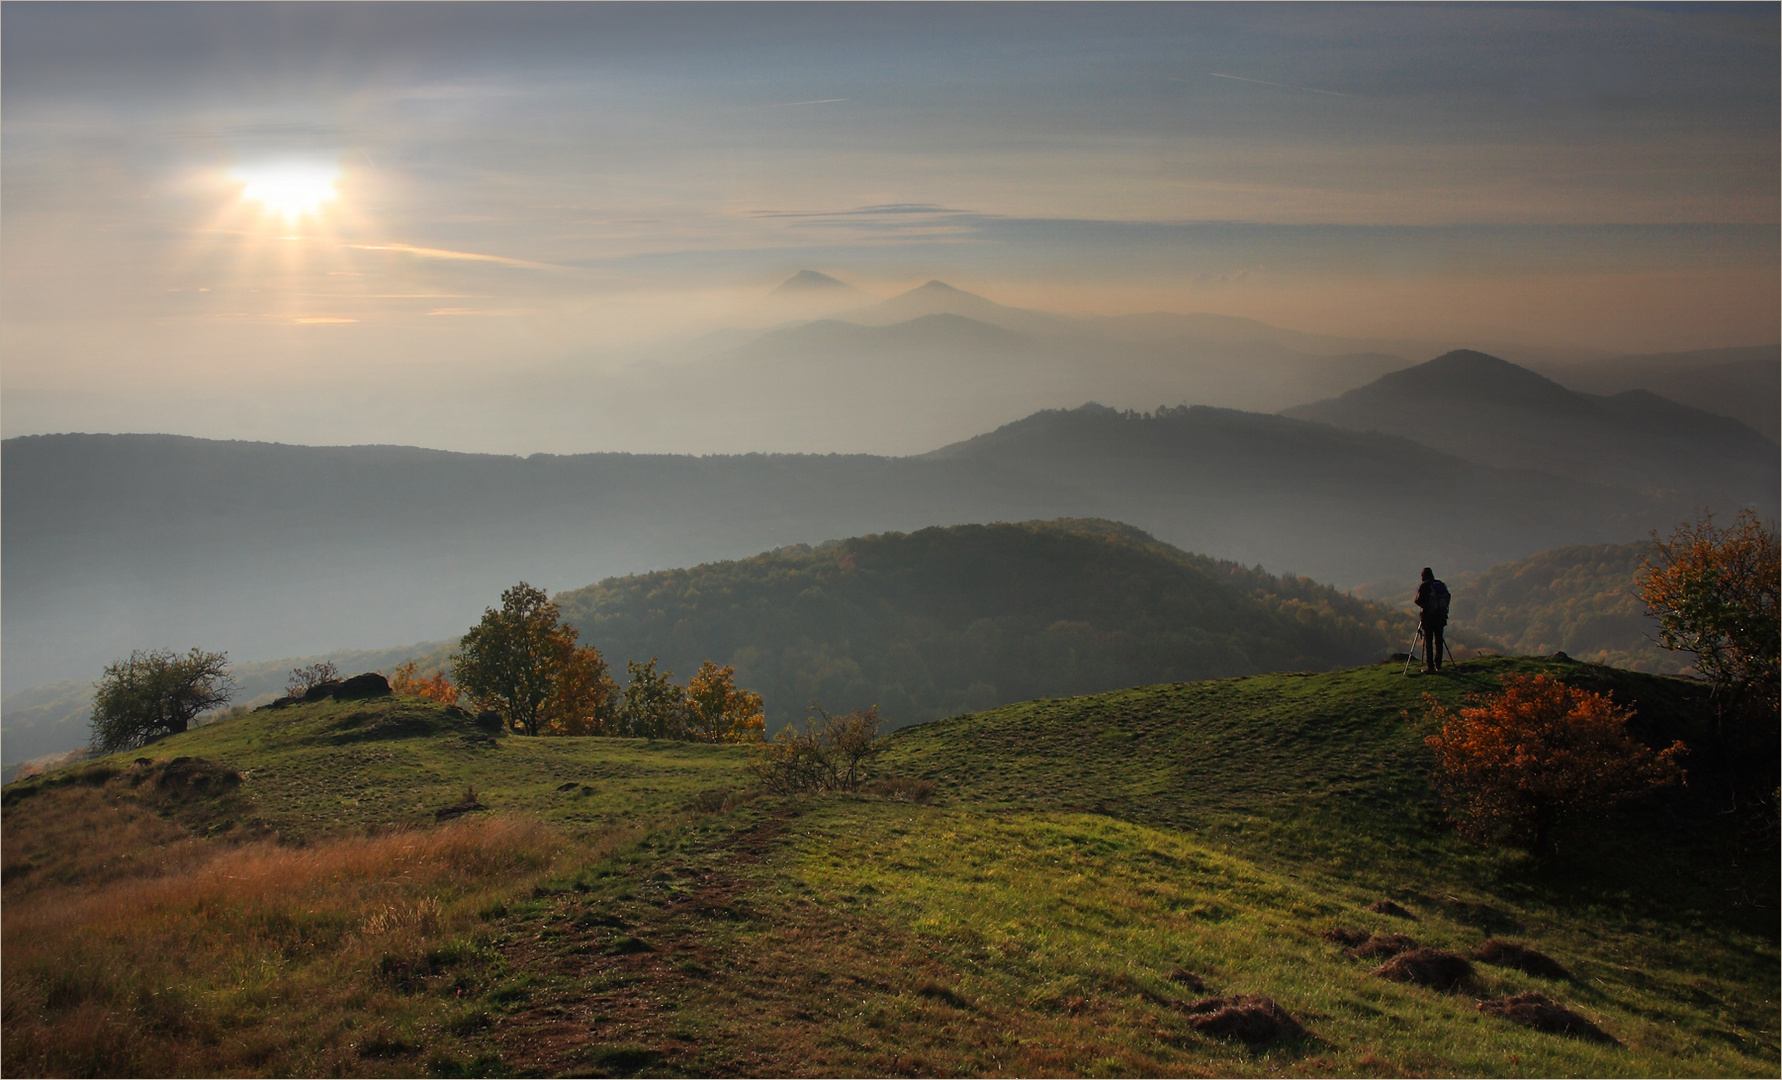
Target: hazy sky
{"points": [[229, 204]]}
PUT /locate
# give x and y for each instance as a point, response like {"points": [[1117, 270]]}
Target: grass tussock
{"points": [[256, 957]]}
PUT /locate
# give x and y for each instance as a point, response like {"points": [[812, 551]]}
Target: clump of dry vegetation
{"points": [[898, 787], [1437, 969], [1509, 954], [1251, 1018], [830, 756], [1536, 1010]]}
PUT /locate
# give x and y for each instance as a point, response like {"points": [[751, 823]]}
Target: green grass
{"points": [[1028, 921], [329, 766]]}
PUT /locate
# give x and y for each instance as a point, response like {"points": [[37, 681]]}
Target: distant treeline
{"points": [[949, 620]]}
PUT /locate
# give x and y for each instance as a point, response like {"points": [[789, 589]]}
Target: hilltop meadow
{"points": [[382, 887]]}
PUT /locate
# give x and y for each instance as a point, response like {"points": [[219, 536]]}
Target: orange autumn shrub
{"points": [[435, 687], [1519, 763]]}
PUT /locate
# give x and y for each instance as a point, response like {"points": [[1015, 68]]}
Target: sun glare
{"points": [[290, 189]]}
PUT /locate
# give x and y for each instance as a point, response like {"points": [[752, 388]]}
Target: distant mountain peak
{"points": [[939, 286], [1476, 376], [810, 281], [1469, 358]]}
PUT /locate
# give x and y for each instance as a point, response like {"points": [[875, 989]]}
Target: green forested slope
{"points": [[947, 620], [1582, 600]]}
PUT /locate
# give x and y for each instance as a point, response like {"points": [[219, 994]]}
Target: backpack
{"points": [[1437, 608]]}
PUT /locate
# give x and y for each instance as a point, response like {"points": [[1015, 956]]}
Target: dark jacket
{"points": [[1433, 614]]}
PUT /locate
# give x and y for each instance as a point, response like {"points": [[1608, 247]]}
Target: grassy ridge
{"points": [[1079, 853]]}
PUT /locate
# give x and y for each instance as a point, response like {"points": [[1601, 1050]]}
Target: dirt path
{"points": [[609, 978]]}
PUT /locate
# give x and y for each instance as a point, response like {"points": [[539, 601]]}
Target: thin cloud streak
{"points": [[1282, 85], [472, 256]]}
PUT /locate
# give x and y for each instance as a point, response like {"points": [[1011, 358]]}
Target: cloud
{"points": [[883, 210], [1213, 279], [443, 253], [1284, 86]]}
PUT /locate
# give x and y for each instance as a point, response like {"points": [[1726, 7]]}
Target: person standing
{"points": [[1432, 600]]}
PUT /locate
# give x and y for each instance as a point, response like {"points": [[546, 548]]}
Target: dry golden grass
{"points": [[251, 957], [87, 836]]}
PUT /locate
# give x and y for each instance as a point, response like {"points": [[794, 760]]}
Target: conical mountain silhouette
{"points": [[1487, 409]]}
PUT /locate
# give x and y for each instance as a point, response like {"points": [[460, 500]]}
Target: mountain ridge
{"points": [[121, 542], [1505, 415]]}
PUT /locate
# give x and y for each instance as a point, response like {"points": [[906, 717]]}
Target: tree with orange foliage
{"points": [[1714, 593], [585, 700], [1523, 761], [718, 712], [434, 687], [522, 662]]}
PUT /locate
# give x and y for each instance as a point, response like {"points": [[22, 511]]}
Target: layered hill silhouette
{"points": [[927, 367], [943, 621], [1744, 383], [812, 282], [121, 542], [1492, 411]]}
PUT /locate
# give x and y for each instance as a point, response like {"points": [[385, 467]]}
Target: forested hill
{"points": [[948, 620], [1581, 599], [116, 542]]}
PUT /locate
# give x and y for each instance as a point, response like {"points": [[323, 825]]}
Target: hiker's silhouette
{"points": [[1432, 602]]}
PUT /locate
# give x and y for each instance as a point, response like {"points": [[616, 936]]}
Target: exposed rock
{"points": [[368, 685]]}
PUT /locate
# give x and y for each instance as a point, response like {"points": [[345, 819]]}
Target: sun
{"points": [[290, 189]]}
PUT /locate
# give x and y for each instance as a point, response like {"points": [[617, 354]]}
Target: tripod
{"points": [[1418, 635]]}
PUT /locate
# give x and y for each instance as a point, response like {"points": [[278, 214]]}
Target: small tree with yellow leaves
{"points": [[718, 712]]}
